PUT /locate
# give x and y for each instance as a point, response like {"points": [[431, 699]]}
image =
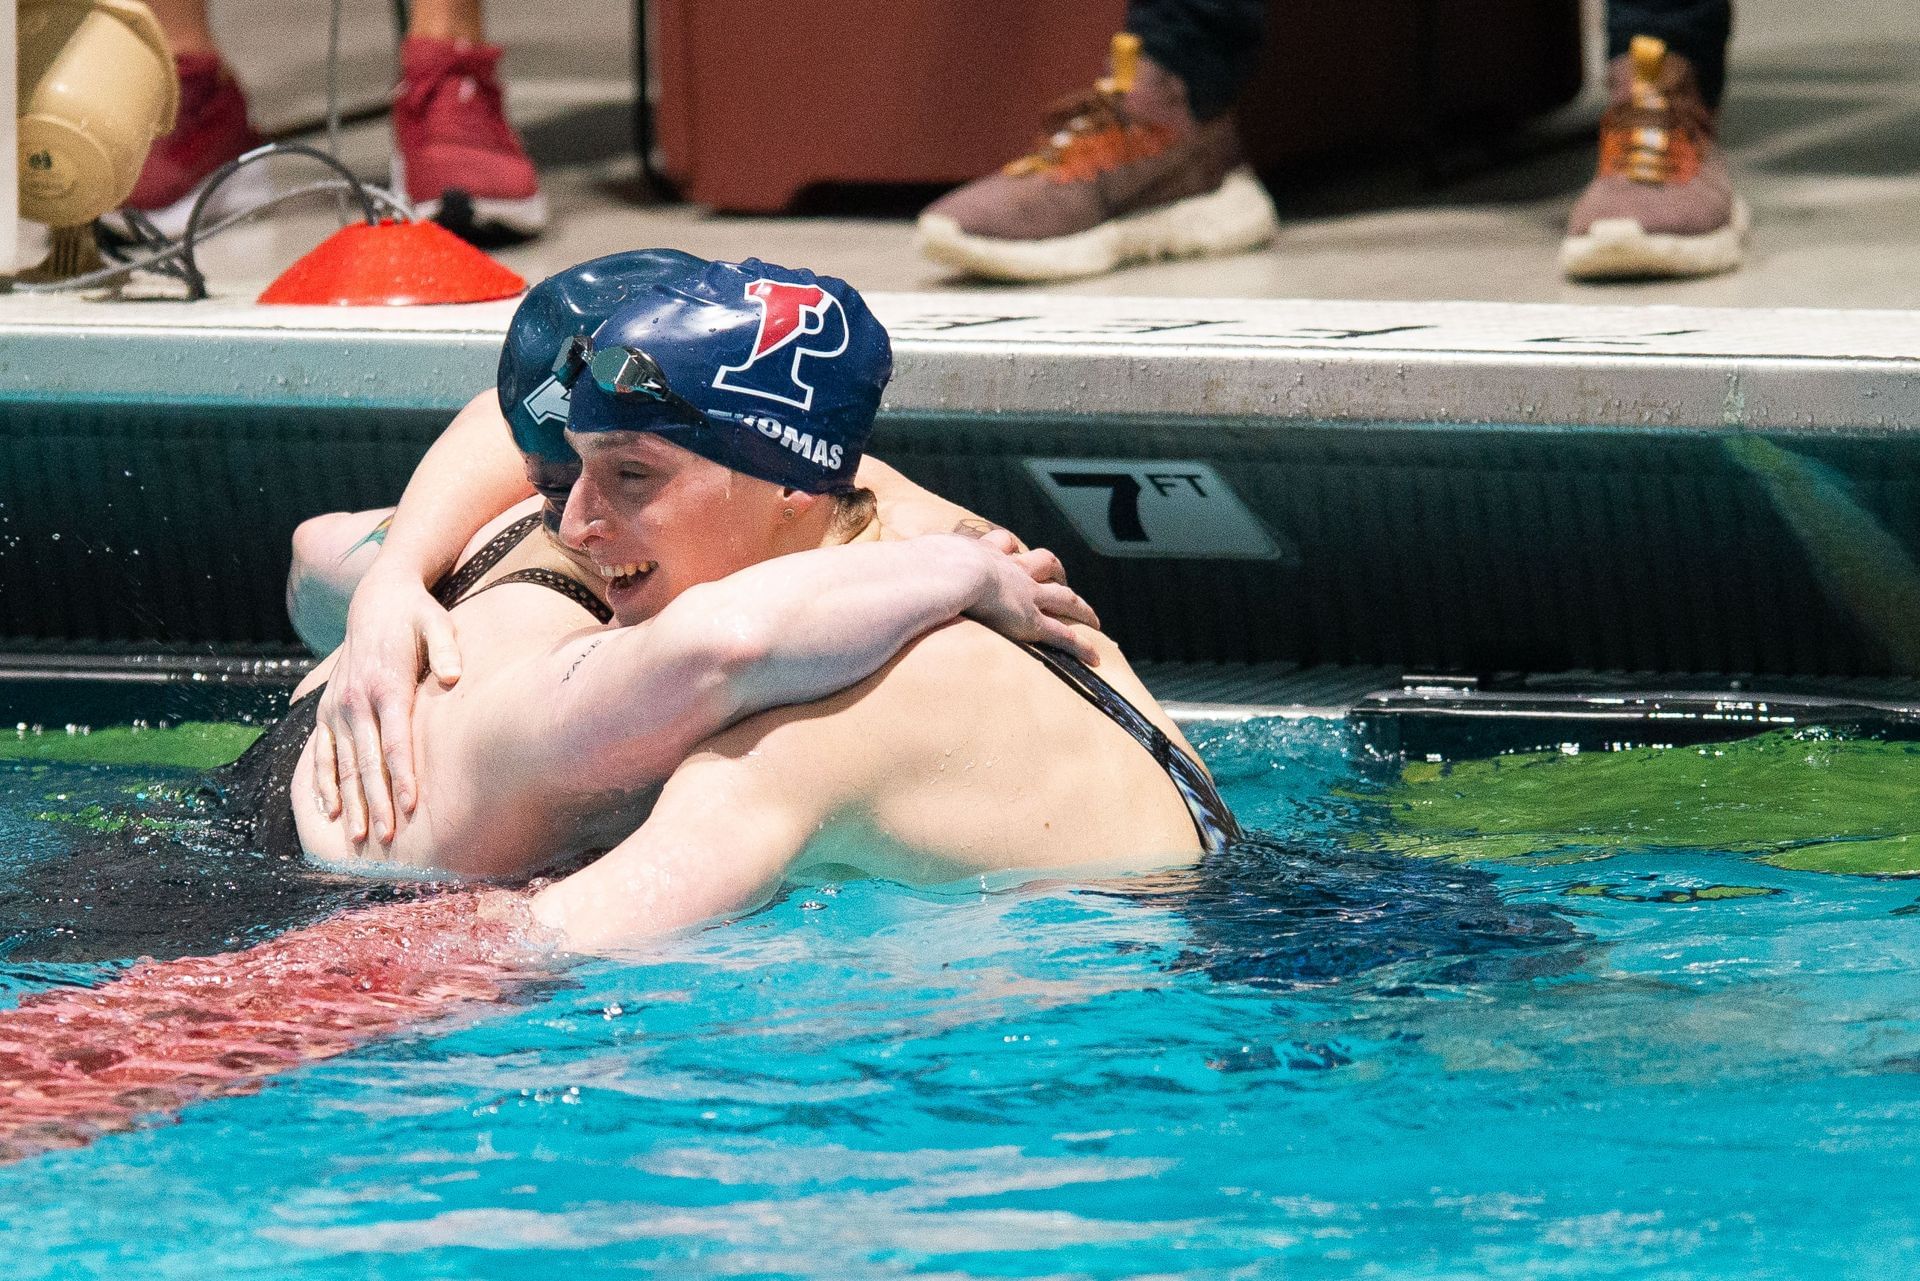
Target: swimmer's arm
{"points": [[620, 708], [910, 510], [331, 554], [726, 828], [471, 474]]}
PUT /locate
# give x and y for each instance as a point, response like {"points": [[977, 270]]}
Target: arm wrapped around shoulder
{"points": [[803, 626]]}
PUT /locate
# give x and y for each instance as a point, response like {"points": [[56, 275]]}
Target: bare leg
{"points": [[184, 23], [446, 20]]}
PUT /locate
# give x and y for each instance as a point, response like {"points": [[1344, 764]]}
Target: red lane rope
{"points": [[77, 1063]]}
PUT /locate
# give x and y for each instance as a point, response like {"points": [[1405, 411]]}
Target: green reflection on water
{"points": [[1793, 799], [189, 745]]}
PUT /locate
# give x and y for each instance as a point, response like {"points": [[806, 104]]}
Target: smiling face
{"points": [[656, 519]]}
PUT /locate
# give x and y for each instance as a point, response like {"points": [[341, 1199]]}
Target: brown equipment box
{"points": [[760, 100]]}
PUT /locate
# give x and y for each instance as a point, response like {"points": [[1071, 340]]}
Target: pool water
{"points": [[1365, 1053]]}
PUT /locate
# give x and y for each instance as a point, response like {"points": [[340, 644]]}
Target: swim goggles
{"points": [[622, 372]]}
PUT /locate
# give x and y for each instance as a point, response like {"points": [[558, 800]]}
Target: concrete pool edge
{"points": [[1002, 353]]}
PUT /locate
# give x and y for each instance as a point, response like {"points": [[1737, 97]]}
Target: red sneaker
{"points": [[210, 130], [456, 158]]}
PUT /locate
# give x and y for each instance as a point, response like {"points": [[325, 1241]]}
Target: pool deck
{"points": [[1402, 287], [1821, 124]]}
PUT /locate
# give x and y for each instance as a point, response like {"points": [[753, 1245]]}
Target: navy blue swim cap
{"points": [[770, 371], [568, 304]]}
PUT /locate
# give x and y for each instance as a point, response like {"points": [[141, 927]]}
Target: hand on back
{"points": [[364, 771], [397, 633], [1026, 597]]}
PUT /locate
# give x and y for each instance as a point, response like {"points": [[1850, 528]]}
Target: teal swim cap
{"points": [[568, 304]]}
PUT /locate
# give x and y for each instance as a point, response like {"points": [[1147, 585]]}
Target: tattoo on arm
{"points": [[376, 536], [592, 645], [979, 527]]}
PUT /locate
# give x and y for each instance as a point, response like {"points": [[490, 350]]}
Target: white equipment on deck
{"points": [[96, 86]]}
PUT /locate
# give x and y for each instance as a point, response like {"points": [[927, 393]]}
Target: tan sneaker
{"points": [[1125, 175], [1662, 203]]}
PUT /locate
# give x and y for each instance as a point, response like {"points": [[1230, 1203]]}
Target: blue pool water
{"points": [[1331, 1063]]}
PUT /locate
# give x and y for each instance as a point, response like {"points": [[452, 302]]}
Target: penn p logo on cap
{"points": [[796, 321], [771, 371]]}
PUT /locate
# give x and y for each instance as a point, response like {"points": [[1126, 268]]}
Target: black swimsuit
{"points": [[185, 874], [251, 795], [1211, 818]]}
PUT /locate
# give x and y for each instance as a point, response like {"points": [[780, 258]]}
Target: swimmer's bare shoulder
{"points": [[963, 755], [971, 756]]}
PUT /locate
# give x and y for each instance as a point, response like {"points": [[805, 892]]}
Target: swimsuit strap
{"points": [[572, 588], [452, 589], [1212, 819], [459, 585]]}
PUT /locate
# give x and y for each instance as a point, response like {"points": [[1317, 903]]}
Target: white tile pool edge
{"points": [[1071, 357]]}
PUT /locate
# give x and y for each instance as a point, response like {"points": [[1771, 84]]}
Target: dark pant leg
{"points": [[1212, 45], [1695, 29]]}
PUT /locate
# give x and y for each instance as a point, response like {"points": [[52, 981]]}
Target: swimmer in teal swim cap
{"points": [[923, 755], [467, 466]]}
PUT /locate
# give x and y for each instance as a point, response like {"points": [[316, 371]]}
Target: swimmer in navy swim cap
{"points": [[770, 374], [718, 420]]}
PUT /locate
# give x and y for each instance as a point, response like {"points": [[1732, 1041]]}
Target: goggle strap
{"points": [[571, 360]]}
